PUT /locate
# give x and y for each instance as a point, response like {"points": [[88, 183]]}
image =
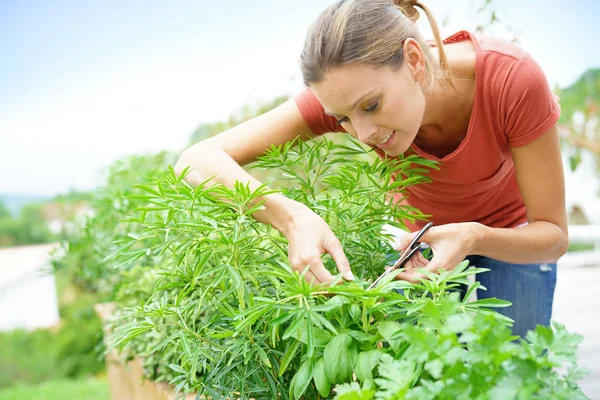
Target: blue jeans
{"points": [[529, 287]]}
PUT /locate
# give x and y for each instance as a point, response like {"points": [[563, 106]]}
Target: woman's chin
{"points": [[393, 151]]}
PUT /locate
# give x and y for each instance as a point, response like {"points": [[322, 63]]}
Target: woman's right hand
{"points": [[309, 237]]}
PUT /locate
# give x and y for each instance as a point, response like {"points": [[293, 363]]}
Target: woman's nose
{"points": [[365, 131]]}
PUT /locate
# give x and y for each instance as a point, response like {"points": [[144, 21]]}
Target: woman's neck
{"points": [[446, 108]]}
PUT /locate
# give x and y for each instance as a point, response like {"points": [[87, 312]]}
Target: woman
{"points": [[482, 107]]}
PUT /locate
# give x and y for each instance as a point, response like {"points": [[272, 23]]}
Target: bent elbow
{"points": [[565, 244], [192, 163], [181, 164], [185, 163], [562, 244]]}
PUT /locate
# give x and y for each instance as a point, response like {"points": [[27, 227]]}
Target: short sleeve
{"points": [[314, 114], [530, 107]]}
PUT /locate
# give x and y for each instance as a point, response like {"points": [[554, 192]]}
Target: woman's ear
{"points": [[414, 58]]}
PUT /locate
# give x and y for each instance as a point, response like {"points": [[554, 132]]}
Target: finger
{"points": [[334, 247], [435, 265], [403, 241], [319, 270], [410, 265], [311, 278], [410, 276], [420, 260], [407, 269], [304, 269]]}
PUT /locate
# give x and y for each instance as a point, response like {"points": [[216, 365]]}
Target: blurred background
{"points": [[94, 95]]}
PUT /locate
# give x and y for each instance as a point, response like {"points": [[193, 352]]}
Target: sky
{"points": [[84, 83]]}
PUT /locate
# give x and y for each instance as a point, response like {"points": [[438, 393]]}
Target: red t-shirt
{"points": [[513, 106]]}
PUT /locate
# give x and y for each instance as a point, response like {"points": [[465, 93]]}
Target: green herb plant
{"points": [[83, 257], [224, 315]]}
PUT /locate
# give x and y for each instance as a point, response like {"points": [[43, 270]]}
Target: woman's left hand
{"points": [[450, 244]]}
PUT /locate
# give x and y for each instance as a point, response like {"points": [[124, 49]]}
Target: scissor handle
{"points": [[415, 242], [414, 246]]}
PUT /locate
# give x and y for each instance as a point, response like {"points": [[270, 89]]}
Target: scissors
{"points": [[410, 251]]}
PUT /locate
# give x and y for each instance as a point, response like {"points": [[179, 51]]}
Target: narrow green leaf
{"points": [[491, 302], [291, 330], [263, 356], [288, 356]]}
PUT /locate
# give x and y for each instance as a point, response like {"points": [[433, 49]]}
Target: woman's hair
{"points": [[369, 32]]}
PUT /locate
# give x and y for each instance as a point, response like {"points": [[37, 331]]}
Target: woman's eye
{"points": [[342, 120], [367, 111], [372, 108]]}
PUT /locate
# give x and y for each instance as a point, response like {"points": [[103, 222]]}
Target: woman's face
{"points": [[380, 106]]}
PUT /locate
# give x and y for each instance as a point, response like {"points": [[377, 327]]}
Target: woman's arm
{"points": [[540, 175], [223, 156], [539, 172]]}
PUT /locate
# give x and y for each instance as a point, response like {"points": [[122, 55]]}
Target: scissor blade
{"points": [[398, 264], [376, 281]]}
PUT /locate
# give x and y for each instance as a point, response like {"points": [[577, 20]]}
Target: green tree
{"points": [[583, 133], [581, 95], [4, 211], [33, 226]]}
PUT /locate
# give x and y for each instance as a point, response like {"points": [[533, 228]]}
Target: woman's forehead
{"points": [[345, 85]]}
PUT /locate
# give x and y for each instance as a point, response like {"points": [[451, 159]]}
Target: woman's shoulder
{"points": [[484, 43], [502, 63], [488, 57], [499, 46], [514, 87]]}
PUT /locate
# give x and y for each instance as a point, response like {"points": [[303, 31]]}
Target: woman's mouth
{"points": [[387, 142]]}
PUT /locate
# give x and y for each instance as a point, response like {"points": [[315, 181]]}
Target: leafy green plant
{"points": [[471, 356], [39, 363], [84, 278], [69, 350], [221, 312], [83, 255], [29, 227], [88, 389]]}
